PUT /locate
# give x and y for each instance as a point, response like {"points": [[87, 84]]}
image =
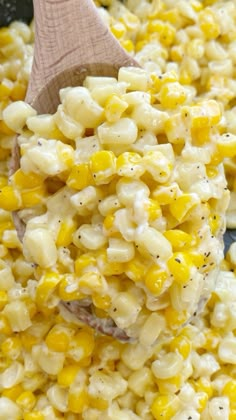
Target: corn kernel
{"points": [[155, 279], [179, 239], [229, 391], [129, 164], [181, 344], [114, 108], [65, 234], [46, 287], [3, 299], [80, 177], [181, 206], [34, 415], [103, 166], [33, 197], [11, 347], [172, 385], [68, 374], [27, 180], [172, 95], [13, 392], [26, 400], [180, 265], [5, 327], [58, 339], [202, 402], [84, 343], [214, 223], [98, 403], [4, 129], [204, 385], [10, 199], [175, 318], [78, 400], [135, 269], [164, 407], [118, 29], [6, 37], [208, 24], [85, 261], [226, 145], [102, 301], [18, 91]]}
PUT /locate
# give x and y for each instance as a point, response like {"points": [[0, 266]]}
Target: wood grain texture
{"points": [[71, 41]]}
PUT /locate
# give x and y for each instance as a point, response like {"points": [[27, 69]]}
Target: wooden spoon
{"points": [[71, 42]]}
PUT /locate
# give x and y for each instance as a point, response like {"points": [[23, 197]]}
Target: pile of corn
{"points": [[53, 366]]}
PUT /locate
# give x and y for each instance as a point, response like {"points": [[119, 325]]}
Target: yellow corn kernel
{"points": [[203, 384], [11, 347], [65, 292], [46, 287], [24, 180], [10, 198], [177, 53], [209, 24], [211, 171], [78, 400], [171, 15], [226, 145], [5, 89], [65, 234], [91, 282], [232, 414], [18, 91], [109, 226], [28, 340], [58, 339], [135, 269], [172, 95], [164, 407], [80, 177], [26, 400], [118, 29], [205, 114], [164, 194], [4, 325], [130, 20], [102, 302], [229, 390], [153, 209], [4, 153], [180, 265], [140, 45], [65, 154], [13, 392], [212, 337], [129, 164], [103, 166], [170, 385], [180, 207], [181, 344], [68, 374], [98, 403], [4, 129], [114, 108], [34, 415], [202, 402], [200, 135], [84, 341], [3, 181], [179, 239], [214, 223], [155, 279], [109, 268], [85, 261], [33, 197], [6, 37], [128, 45], [3, 299], [175, 318]]}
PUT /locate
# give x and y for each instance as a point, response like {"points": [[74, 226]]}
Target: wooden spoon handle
{"points": [[70, 33]]}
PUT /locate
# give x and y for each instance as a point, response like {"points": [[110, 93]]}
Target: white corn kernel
{"points": [[39, 247], [18, 316], [119, 250], [124, 309], [91, 236], [123, 131], [16, 114]]}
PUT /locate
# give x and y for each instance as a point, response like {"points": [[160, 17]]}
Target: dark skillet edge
{"points": [[229, 238], [15, 10]]}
